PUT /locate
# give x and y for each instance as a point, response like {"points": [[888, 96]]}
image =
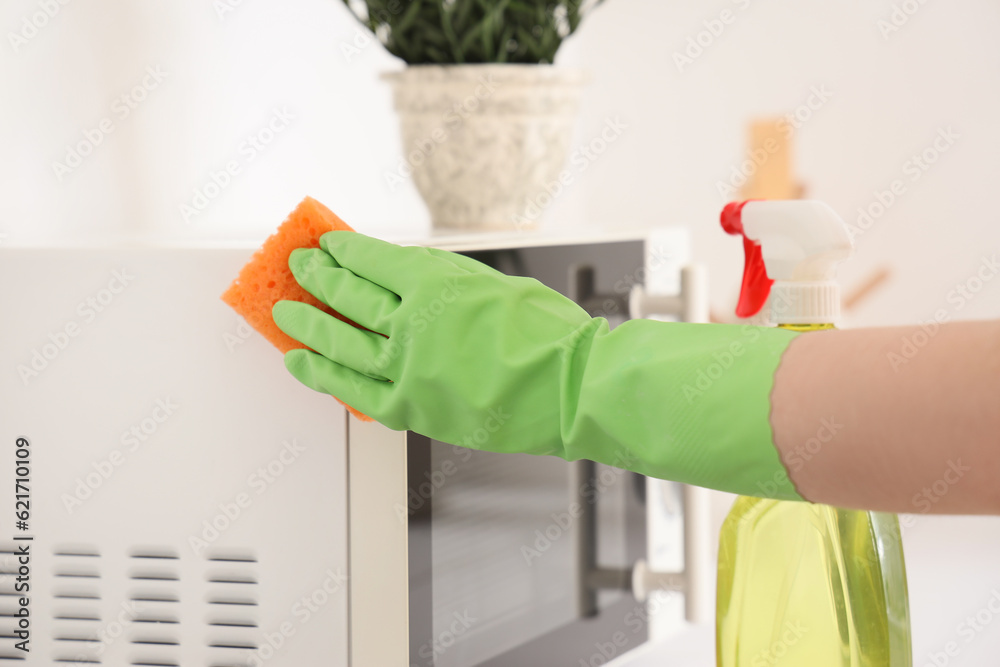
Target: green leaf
{"points": [[474, 31], [408, 18]]}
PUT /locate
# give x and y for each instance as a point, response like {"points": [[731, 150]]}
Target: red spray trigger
{"points": [[756, 285]]}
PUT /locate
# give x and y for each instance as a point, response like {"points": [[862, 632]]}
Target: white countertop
{"points": [[691, 646]]}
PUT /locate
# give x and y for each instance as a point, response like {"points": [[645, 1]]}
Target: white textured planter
{"points": [[482, 142]]}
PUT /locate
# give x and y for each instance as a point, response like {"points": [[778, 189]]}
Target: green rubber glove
{"points": [[473, 357]]}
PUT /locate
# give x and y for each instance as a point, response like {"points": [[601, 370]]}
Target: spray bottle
{"points": [[800, 583]]}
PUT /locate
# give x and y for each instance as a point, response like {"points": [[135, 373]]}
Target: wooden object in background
{"points": [[866, 287], [770, 149]]}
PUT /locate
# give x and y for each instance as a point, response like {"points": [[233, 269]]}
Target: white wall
{"points": [[227, 72], [888, 99]]}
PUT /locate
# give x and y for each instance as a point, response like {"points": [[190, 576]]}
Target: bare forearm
{"points": [[893, 419]]}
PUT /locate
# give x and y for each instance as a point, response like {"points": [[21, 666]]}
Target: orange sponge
{"points": [[266, 279]]}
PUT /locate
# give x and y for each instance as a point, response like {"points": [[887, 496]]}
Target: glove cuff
{"points": [[678, 401]]}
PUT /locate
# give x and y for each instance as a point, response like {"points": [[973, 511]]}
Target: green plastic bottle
{"points": [[798, 583]]}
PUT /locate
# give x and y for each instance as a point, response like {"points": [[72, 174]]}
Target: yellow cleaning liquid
{"points": [[811, 586]]}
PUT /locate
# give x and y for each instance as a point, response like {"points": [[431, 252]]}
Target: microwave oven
{"points": [[177, 498], [475, 559]]}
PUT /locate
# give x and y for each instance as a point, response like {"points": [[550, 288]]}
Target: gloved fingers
{"points": [[336, 340], [461, 261], [356, 298], [357, 390], [394, 267]]}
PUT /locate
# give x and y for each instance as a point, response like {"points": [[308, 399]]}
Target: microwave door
{"points": [[488, 560], [468, 558]]}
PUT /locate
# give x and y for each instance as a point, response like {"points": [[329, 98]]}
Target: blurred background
{"points": [[877, 92], [226, 67]]}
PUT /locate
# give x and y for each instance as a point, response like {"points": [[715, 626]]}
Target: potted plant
{"points": [[486, 118]]}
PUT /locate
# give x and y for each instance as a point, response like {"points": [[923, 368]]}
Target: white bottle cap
{"points": [[802, 242]]}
